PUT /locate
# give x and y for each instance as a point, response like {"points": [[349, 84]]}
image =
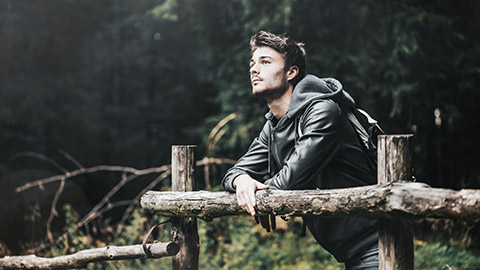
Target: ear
{"points": [[292, 73]]}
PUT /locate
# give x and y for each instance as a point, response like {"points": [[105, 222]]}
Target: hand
{"points": [[264, 220], [245, 191]]}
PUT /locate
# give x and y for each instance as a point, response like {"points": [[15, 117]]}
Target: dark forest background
{"points": [[119, 82]]}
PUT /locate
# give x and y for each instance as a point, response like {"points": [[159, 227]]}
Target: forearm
{"points": [[254, 163], [229, 179]]}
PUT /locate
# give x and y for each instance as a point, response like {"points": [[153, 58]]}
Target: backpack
{"points": [[366, 128]]}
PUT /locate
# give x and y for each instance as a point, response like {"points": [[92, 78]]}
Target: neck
{"points": [[279, 106]]}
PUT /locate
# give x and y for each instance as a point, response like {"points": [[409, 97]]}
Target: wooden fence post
{"points": [[184, 229], [395, 241]]}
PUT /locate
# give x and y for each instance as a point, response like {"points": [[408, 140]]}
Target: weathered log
{"points": [[395, 236], [184, 229], [82, 258], [399, 199]]}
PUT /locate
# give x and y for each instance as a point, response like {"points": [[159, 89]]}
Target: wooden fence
{"points": [[395, 201]]}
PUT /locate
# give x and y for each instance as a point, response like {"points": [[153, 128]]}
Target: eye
{"points": [[265, 62]]}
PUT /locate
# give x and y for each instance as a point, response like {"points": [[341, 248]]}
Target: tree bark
{"points": [[395, 236], [82, 258], [184, 229], [393, 200]]}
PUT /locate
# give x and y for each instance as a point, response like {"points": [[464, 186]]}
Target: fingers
{"points": [[265, 223], [245, 191], [249, 198], [246, 199], [261, 186], [273, 222]]}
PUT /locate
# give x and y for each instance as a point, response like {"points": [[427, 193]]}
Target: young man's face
{"points": [[267, 73]]}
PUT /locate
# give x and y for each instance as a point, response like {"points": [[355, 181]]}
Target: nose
{"points": [[253, 69]]}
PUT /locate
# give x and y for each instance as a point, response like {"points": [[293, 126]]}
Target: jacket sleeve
{"points": [[313, 150], [254, 162]]}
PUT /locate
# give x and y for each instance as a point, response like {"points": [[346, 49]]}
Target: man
{"points": [[306, 143]]}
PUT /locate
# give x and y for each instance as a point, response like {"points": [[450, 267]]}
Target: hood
{"points": [[311, 88]]}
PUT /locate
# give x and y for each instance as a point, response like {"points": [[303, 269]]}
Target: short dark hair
{"points": [[293, 52]]}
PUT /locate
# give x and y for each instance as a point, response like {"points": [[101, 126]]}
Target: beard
{"points": [[272, 92]]}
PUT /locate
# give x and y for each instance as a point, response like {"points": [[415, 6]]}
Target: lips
{"points": [[256, 79]]}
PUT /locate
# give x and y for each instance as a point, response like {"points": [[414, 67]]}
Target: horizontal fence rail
{"points": [[82, 258], [394, 200]]}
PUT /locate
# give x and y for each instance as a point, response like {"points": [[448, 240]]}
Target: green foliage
{"points": [[236, 242], [74, 240], [225, 243], [447, 256]]}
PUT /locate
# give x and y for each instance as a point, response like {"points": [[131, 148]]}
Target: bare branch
{"points": [[98, 210], [82, 258], [41, 157], [72, 159], [206, 161], [206, 176], [110, 206], [218, 161], [109, 168], [78, 225], [214, 137], [93, 213], [53, 211], [130, 208], [80, 171]]}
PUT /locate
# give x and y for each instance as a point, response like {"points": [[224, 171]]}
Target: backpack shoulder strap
{"points": [[364, 134], [359, 129]]}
